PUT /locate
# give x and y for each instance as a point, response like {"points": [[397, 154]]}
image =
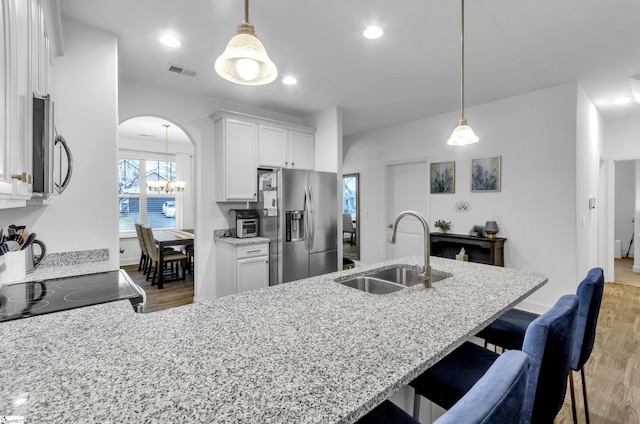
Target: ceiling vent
{"points": [[182, 71]]}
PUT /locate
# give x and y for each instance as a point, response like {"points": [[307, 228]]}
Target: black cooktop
{"points": [[33, 298]]}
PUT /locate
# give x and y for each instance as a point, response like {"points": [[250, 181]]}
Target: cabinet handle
{"points": [[22, 177], [286, 163], [293, 164], [253, 251]]}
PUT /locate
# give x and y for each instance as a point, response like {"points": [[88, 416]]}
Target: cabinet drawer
{"points": [[253, 250]]}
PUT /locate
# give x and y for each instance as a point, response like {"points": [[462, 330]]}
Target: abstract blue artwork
{"points": [[485, 174], [443, 177]]}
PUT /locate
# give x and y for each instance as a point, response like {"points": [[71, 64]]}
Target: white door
{"points": [[407, 189], [252, 273]]}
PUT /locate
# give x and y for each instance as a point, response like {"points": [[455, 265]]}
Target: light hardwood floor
{"points": [[613, 371]]}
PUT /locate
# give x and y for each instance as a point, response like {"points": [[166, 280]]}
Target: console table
{"points": [[479, 249]]}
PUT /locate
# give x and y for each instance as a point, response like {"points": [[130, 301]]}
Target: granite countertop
{"points": [[243, 241], [310, 351]]}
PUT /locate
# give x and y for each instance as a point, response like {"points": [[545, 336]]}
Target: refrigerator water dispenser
{"points": [[294, 226]]}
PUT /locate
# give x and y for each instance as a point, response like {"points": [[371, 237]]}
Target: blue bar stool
{"points": [[548, 341], [497, 397], [508, 331]]}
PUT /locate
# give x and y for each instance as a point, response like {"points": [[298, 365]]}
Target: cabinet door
{"points": [[241, 162], [272, 146], [301, 150], [252, 273], [21, 153], [6, 186]]}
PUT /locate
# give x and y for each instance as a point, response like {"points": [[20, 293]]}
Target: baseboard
{"points": [[533, 307]]}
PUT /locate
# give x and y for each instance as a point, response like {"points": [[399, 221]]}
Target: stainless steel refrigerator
{"points": [[299, 213]]}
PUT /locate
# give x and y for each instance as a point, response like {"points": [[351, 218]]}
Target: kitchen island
{"points": [[310, 351]]}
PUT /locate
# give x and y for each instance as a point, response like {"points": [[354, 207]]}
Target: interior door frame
{"points": [[386, 198]]}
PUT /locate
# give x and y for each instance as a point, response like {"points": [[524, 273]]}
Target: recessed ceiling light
{"points": [[289, 80], [170, 40], [373, 32]]}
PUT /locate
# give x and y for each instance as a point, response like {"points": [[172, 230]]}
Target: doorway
{"points": [[351, 216], [406, 189]]}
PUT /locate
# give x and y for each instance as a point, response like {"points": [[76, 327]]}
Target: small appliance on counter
{"points": [[245, 222], [23, 300]]}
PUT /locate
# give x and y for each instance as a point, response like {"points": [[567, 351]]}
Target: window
{"points": [[155, 209]]}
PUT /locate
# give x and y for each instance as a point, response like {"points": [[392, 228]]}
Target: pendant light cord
{"points": [[461, 63], [246, 11]]}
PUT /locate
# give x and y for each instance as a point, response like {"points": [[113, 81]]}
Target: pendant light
{"points": [[167, 186], [245, 60], [462, 134]]}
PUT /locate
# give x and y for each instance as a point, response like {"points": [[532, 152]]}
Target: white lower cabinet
{"points": [[252, 273], [241, 268]]}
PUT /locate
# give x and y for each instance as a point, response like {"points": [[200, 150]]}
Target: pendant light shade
{"points": [[245, 60], [462, 133]]}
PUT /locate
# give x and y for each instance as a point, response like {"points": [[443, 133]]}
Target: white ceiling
{"points": [[413, 71]]}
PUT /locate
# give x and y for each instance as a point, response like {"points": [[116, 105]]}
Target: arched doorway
{"points": [[156, 187]]}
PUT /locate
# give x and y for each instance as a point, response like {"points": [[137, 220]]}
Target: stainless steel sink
{"points": [[373, 285], [388, 280]]}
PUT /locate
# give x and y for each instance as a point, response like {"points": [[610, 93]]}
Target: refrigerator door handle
{"points": [[307, 238], [312, 224]]}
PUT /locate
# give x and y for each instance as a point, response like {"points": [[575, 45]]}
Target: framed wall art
{"points": [[443, 177], [485, 174]]}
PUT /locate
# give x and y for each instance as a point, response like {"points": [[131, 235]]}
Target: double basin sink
{"points": [[389, 280]]}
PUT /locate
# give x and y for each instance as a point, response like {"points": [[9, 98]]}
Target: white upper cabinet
{"points": [[272, 146], [280, 147], [25, 71], [236, 152], [244, 143], [301, 150]]}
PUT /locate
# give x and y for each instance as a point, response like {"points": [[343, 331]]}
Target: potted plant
{"points": [[443, 225]]}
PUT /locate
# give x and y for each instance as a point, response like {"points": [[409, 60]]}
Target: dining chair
{"points": [[144, 256], [548, 343], [348, 227], [169, 257], [498, 397], [508, 331]]}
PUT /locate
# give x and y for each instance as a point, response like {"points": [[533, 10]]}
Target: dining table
{"points": [[167, 238]]}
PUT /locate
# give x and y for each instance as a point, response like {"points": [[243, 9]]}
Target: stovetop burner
{"points": [[43, 297]]}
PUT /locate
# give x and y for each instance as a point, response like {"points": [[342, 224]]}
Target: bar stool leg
{"points": [[573, 398], [416, 407], [584, 395]]}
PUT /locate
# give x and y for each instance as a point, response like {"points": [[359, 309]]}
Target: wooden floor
{"points": [[176, 293], [613, 371]]}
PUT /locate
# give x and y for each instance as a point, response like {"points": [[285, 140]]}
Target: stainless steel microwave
{"points": [[51, 155]]}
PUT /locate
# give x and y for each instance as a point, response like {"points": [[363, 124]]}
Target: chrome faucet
{"points": [[426, 272]]}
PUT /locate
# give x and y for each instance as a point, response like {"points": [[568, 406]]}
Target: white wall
{"points": [[536, 136], [85, 96], [625, 203], [328, 152], [589, 140], [622, 138]]}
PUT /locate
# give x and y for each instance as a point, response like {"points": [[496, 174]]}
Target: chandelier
{"points": [[166, 185]]}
